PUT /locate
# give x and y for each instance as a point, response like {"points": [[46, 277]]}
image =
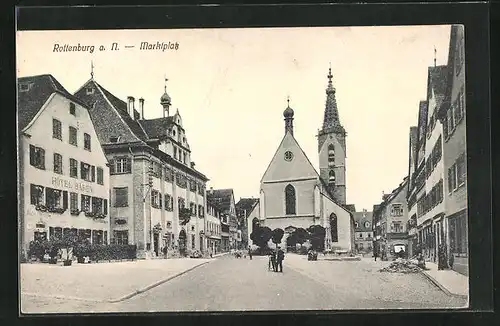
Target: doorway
{"points": [[156, 243]]}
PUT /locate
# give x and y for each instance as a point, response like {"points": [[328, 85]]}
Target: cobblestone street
{"points": [[242, 284]]}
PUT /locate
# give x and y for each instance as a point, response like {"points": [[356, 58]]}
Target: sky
{"points": [[231, 85]]}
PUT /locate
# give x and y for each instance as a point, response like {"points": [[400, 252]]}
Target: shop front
{"points": [[458, 238]]}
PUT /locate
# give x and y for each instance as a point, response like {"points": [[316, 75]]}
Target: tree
{"points": [[184, 215], [277, 235], [317, 235], [260, 236]]}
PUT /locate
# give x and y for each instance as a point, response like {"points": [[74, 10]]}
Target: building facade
{"points": [[157, 195], [363, 231], [63, 172], [224, 200], [294, 195], [244, 208], [453, 117], [213, 228], [390, 218]]}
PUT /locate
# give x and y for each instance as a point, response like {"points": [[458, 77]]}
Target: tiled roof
{"points": [[351, 208], [246, 204], [220, 198], [121, 108], [361, 218], [437, 80], [157, 128], [31, 101]]}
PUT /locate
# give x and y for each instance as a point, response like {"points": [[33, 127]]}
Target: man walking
{"points": [[280, 256], [250, 252]]}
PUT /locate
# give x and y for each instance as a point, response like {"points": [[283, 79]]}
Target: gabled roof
{"points": [[351, 207], [246, 205], [31, 101], [157, 128], [361, 218], [121, 108], [436, 80], [220, 198]]}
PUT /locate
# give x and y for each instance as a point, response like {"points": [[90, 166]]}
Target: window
{"points": [[56, 129], [156, 199], [86, 141], [288, 156], [24, 87], [36, 194], [73, 140], [169, 175], [58, 163], [72, 109], [97, 205], [114, 139], [331, 176], [369, 235], [121, 197], [90, 90], [331, 153], [192, 207], [333, 228], [175, 150], [200, 211], [180, 202], [86, 203], [121, 237], [184, 157], [100, 176], [290, 200], [397, 227], [73, 168], [361, 235], [55, 233], [56, 198], [37, 157], [192, 185], [87, 171], [73, 201], [120, 165], [397, 210], [169, 202], [97, 237]]}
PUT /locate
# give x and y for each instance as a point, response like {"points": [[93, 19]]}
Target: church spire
{"points": [[165, 100], [288, 114], [331, 118]]}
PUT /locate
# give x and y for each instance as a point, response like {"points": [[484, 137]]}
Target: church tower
{"points": [[332, 147]]}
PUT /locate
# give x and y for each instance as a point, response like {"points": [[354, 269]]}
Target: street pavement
{"points": [[231, 284]]}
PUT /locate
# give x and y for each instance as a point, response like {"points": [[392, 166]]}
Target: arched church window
{"points": [[290, 200], [331, 176], [333, 228], [331, 153]]}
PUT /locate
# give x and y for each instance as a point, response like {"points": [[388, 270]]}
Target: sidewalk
{"points": [[111, 282], [451, 282]]}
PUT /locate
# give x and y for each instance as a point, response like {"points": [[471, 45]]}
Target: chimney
{"points": [[141, 107], [192, 165], [131, 107]]}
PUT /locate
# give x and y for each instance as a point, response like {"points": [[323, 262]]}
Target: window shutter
{"points": [[105, 207], [32, 155], [65, 199], [93, 173], [42, 158], [111, 166], [129, 165], [160, 198], [33, 192], [81, 169]]}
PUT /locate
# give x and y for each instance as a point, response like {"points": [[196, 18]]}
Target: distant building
{"points": [[244, 208], [224, 199], [213, 227], [63, 172], [294, 195], [363, 231], [390, 218], [153, 178], [452, 115]]}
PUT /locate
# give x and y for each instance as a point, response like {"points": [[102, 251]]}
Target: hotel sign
{"points": [[71, 185]]}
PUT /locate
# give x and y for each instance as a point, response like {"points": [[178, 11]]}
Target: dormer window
{"points": [[24, 87], [90, 90], [113, 139]]}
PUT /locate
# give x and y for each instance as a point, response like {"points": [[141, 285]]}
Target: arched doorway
{"points": [[182, 242]]}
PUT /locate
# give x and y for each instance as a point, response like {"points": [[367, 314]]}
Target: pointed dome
{"points": [[165, 98], [288, 113]]}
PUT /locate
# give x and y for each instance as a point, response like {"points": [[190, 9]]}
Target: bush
{"points": [[37, 249], [112, 252]]}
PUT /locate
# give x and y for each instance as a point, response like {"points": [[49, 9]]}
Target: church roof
{"points": [[331, 119], [40, 89]]}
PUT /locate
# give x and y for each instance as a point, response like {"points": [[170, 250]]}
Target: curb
{"points": [[62, 297], [149, 287], [442, 288]]}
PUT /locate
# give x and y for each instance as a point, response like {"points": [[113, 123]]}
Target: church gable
{"points": [[289, 163]]}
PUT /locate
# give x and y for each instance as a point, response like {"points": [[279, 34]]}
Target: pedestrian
{"points": [[280, 256], [375, 254], [272, 261], [250, 252]]}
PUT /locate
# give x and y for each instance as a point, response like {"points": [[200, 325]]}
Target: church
{"points": [[294, 195]]}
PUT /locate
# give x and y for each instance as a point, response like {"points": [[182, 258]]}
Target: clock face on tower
{"points": [[288, 156]]}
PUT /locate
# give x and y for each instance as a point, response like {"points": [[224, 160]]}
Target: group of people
{"points": [[276, 260]]}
